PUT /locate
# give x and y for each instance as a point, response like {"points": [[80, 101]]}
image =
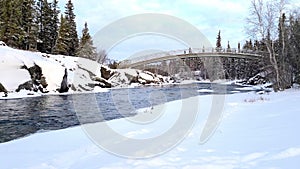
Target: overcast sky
{"points": [[209, 16]]}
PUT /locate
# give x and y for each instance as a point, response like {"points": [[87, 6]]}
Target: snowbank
{"points": [[256, 131], [11, 72], [22, 68], [14, 65]]}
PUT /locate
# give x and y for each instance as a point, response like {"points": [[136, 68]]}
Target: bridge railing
{"points": [[186, 52]]}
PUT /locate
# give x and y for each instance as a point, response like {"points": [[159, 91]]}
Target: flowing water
{"points": [[21, 117]]}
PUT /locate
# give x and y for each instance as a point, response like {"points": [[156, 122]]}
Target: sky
{"points": [[209, 16]]}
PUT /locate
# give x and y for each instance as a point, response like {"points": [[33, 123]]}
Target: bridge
{"points": [[189, 53]]}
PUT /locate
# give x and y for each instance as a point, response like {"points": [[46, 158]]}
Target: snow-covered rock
{"points": [[19, 67], [45, 73], [2, 43], [106, 72], [38, 72], [125, 77], [256, 80]]}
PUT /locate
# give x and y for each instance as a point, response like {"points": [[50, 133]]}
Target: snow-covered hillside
{"points": [[33, 73]]}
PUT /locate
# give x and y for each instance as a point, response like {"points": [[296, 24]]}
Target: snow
{"points": [[11, 61], [146, 76], [205, 91], [98, 89], [256, 131], [7, 76], [10, 66], [256, 87], [2, 43], [21, 94], [80, 71]]}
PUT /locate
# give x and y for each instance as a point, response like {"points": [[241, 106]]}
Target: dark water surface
{"points": [[21, 117]]}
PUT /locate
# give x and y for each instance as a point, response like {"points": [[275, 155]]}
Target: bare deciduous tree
{"points": [[262, 25], [101, 57]]}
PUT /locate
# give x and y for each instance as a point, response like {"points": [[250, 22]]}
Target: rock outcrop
{"points": [[64, 87], [106, 73], [2, 89], [125, 77], [27, 86], [103, 83], [37, 82]]}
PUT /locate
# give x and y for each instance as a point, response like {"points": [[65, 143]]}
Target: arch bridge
{"points": [[190, 53]]}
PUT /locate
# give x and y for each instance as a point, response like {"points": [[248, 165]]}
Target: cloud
{"points": [[289, 153], [253, 157]]}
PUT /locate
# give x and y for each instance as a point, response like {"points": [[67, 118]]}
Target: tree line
{"points": [[276, 30], [38, 25], [277, 33]]}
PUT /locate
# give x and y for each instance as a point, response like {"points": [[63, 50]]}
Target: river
{"points": [[22, 117]]}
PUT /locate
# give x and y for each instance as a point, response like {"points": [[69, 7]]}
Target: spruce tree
{"points": [[72, 38], [218, 43], [11, 26], [250, 45], [61, 46], [29, 25], [86, 48], [5, 13], [26, 22], [54, 22], [42, 6], [228, 47], [45, 21], [294, 47]]}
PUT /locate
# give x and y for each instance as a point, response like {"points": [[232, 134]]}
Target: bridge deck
{"points": [[181, 54]]}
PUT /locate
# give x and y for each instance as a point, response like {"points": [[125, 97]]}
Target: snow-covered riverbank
{"points": [[256, 131], [33, 74], [29, 74]]}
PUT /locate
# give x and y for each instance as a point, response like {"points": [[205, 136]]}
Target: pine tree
{"points": [[72, 38], [294, 47], [47, 21], [4, 18], [250, 45], [54, 22], [228, 47], [218, 43], [86, 48], [29, 24], [256, 45], [11, 29], [42, 18], [61, 46]]}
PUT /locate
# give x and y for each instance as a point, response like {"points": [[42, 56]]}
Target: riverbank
{"points": [[29, 74], [256, 131], [35, 74], [97, 89]]}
